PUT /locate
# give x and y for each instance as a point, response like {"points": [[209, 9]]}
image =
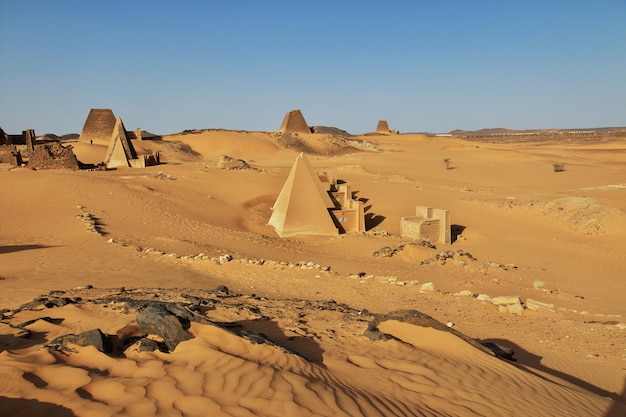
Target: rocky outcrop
{"points": [[232, 164]]}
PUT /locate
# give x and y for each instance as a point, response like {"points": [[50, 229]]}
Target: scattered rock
{"points": [[225, 259], [442, 257], [428, 286], [232, 164]]}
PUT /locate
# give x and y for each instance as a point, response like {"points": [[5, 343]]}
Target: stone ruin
{"points": [[13, 148], [294, 123], [98, 127], [102, 127], [53, 155], [428, 223], [383, 128], [18, 150], [121, 152], [233, 164], [307, 205]]}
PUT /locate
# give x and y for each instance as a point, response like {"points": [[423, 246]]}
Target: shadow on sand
{"points": [[303, 346], [532, 363], [18, 248], [22, 407]]}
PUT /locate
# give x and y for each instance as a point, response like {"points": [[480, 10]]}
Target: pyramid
{"points": [[294, 123], [383, 127], [121, 150], [302, 205], [98, 126]]}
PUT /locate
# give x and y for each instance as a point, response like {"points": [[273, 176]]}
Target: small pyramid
{"points": [[383, 127], [98, 126], [121, 150], [294, 123], [302, 205]]}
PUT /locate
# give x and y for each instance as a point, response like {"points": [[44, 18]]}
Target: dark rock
{"points": [[159, 320], [59, 302], [93, 338], [416, 318], [222, 290], [31, 321], [500, 351], [148, 345]]}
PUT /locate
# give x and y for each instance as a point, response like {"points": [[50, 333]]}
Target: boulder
{"points": [[232, 164], [171, 326], [94, 338], [416, 318]]}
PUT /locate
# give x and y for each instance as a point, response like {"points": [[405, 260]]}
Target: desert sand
{"points": [[177, 231]]}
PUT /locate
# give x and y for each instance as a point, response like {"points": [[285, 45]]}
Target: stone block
{"points": [[535, 305]]}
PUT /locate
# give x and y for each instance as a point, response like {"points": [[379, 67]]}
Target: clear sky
{"points": [[422, 65]]}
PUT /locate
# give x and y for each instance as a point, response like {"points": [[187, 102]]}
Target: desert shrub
{"points": [[447, 162], [558, 166], [538, 284]]}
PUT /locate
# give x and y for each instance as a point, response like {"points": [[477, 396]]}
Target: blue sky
{"points": [[433, 66]]}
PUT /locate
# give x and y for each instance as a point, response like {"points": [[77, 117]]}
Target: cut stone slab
{"points": [[535, 305], [506, 300]]}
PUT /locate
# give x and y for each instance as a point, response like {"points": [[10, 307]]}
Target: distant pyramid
{"points": [[383, 127], [98, 126], [294, 123], [302, 205], [121, 150]]}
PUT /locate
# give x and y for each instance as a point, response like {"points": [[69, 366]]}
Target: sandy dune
{"points": [[158, 234]]}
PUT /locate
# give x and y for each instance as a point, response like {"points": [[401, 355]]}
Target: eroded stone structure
{"points": [[428, 223], [349, 214], [294, 123], [15, 147], [122, 153], [53, 155], [383, 128], [98, 126], [308, 206]]}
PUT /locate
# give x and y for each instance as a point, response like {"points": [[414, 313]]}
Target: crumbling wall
{"points": [[53, 155], [9, 154]]}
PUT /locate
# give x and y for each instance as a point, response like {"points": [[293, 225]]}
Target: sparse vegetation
{"points": [[558, 166], [448, 163], [538, 284]]}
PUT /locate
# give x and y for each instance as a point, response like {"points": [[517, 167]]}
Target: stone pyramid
{"points": [[98, 126], [383, 127], [294, 123], [121, 150], [302, 205]]}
